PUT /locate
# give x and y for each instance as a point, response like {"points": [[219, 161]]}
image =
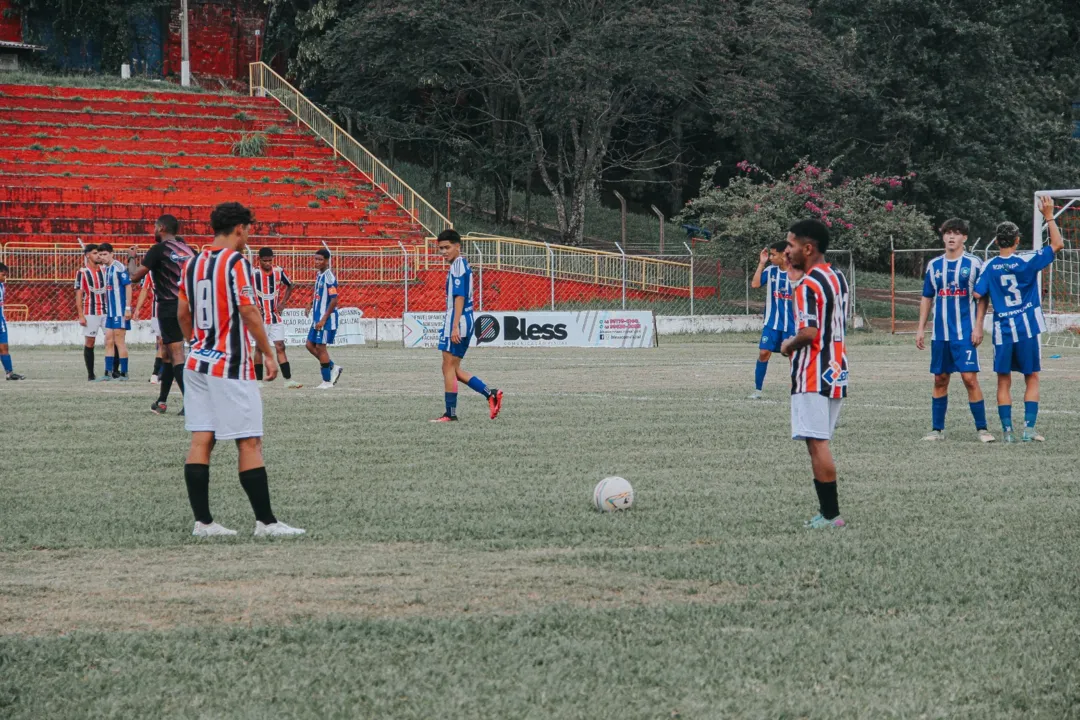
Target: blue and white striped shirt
{"points": [[778, 300], [1013, 286], [459, 283], [326, 289], [952, 285], [117, 280]]}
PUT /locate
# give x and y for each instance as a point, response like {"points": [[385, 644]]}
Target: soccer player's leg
{"points": [[5, 354], [450, 366], [200, 422], [1028, 362], [93, 322], [110, 347], [493, 395], [770, 342], [813, 420], [258, 358], [283, 362], [1003, 364], [120, 338], [941, 366]]}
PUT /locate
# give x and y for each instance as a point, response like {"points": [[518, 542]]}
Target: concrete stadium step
{"points": [[196, 122], [214, 173], [14, 242], [371, 203], [298, 228], [132, 186], [181, 159], [205, 108], [26, 143], [164, 95], [189, 212], [290, 135]]}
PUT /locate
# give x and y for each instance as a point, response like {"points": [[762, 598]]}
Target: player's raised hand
{"points": [[270, 368], [920, 339], [1046, 207], [764, 256], [133, 251]]}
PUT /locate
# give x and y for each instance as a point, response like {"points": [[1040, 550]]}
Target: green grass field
{"points": [[458, 571]]}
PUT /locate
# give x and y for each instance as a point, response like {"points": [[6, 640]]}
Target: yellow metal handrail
{"points": [[263, 78]]}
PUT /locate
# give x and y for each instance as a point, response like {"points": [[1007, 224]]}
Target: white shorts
{"points": [[814, 416], [231, 409], [276, 332], [93, 324], [155, 327]]}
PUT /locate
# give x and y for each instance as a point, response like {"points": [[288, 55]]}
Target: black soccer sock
{"points": [[286, 371], [197, 478], [178, 376], [157, 367], [827, 500], [258, 371], [166, 381], [116, 361], [258, 492], [88, 358]]}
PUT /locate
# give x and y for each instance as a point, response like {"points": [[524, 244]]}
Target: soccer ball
{"points": [[613, 493]]}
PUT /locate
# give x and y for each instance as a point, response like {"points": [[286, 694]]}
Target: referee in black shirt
{"points": [[165, 261]]}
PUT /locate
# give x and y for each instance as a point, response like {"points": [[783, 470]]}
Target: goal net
{"points": [[1061, 281]]}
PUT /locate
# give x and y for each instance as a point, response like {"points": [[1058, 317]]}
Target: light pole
{"points": [[185, 52], [622, 204]]}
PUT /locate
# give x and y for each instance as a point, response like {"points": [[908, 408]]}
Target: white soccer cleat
{"points": [[212, 530], [278, 529], [293, 385], [155, 380], [935, 435], [986, 437], [756, 395], [324, 385], [337, 374]]}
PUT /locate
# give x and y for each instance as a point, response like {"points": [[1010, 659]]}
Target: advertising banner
{"points": [[591, 328], [298, 321]]}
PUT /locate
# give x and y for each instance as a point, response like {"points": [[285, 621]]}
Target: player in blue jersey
{"points": [[1011, 282], [949, 288], [779, 322], [117, 315], [5, 358], [458, 329], [324, 319]]}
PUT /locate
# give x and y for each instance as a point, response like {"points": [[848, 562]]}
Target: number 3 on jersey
{"points": [[1012, 290], [204, 306]]}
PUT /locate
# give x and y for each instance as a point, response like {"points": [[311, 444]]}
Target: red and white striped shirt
{"points": [[214, 285], [94, 288], [268, 286], [821, 298], [148, 283]]}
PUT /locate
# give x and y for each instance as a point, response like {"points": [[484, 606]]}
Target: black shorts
{"points": [[170, 330]]}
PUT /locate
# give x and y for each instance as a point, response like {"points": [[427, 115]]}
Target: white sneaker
{"points": [[756, 395], [278, 529], [935, 435], [337, 374], [325, 386], [212, 530], [154, 380], [293, 385], [986, 437]]}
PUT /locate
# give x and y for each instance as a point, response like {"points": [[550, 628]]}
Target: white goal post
{"points": [[1061, 290]]}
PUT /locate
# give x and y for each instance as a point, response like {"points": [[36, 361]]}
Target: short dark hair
{"points": [[87, 249], [1007, 234], [3, 267], [266, 252], [169, 224], [813, 230], [449, 236], [955, 225], [323, 253], [227, 216], [105, 247], [779, 246]]}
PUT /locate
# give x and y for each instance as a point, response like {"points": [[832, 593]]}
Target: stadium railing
{"points": [[265, 82]]}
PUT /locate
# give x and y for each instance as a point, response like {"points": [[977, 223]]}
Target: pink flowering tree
{"points": [[755, 209]]}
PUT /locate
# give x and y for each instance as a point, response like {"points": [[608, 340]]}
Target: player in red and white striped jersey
{"points": [[91, 303], [272, 290], [218, 314], [819, 365]]}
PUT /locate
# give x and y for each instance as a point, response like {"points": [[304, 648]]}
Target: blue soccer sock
{"points": [[1005, 413], [759, 374], [478, 385], [939, 406], [451, 404], [1031, 413], [123, 365], [326, 371], [6, 360], [109, 364], [978, 412]]}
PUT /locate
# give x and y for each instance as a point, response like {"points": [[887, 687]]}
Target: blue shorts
{"points": [[1023, 356], [3, 331], [948, 357], [117, 323], [771, 340], [321, 337], [455, 349]]}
